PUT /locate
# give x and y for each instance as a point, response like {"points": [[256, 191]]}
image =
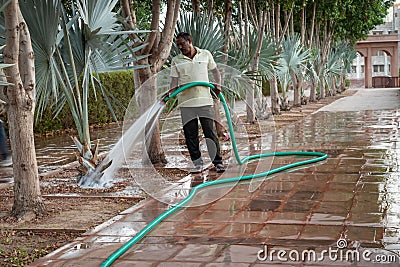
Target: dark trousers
{"points": [[190, 117], [4, 153]]}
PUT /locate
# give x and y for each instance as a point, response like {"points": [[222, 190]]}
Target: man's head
{"points": [[184, 43]]}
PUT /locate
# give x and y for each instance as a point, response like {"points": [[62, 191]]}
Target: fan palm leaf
{"points": [[293, 60], [70, 52], [205, 31]]}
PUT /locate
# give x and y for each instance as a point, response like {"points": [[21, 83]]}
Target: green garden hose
{"points": [[319, 156]]}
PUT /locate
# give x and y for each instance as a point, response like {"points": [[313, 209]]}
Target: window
{"points": [[379, 68], [362, 68]]}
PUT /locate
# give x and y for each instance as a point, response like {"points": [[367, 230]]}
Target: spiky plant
{"points": [[292, 63], [70, 52]]}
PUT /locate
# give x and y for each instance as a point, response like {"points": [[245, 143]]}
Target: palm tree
{"points": [[311, 74], [70, 52], [338, 65], [292, 64]]}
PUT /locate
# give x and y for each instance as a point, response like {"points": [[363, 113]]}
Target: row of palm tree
{"points": [[71, 49], [292, 63]]}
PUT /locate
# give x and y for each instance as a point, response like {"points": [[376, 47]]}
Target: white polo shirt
{"points": [[193, 70]]}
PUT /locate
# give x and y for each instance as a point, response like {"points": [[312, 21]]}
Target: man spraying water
{"points": [[196, 103]]}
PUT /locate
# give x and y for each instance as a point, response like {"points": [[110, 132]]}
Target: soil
{"points": [[72, 210]]}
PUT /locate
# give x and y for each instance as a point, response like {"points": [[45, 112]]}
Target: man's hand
{"points": [[217, 89], [168, 94]]}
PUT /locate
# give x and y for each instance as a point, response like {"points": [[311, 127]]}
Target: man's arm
{"points": [[173, 84], [217, 77]]}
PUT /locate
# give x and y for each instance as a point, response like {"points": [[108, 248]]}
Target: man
{"points": [[196, 103]]}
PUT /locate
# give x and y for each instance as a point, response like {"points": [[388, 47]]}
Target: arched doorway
{"points": [[388, 43]]}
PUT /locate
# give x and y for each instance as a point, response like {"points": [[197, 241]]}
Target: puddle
{"points": [[56, 151]]}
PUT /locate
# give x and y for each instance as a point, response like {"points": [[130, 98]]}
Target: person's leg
{"points": [[4, 153], [208, 126], [191, 132]]}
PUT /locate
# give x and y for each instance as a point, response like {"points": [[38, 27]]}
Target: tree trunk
{"points": [[227, 26], [296, 90], [311, 37], [210, 8], [275, 99], [333, 87], [313, 92], [250, 93], [246, 24], [20, 98], [278, 22], [196, 6], [145, 100], [322, 87], [303, 25], [158, 47]]}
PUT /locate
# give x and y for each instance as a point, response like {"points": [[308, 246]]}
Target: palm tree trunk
{"points": [[303, 24], [158, 46], [145, 100], [296, 89], [311, 37], [275, 99], [20, 97], [196, 6], [227, 26], [250, 93], [322, 91], [313, 92]]}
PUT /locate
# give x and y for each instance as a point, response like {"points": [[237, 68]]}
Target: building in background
{"points": [[381, 60]]}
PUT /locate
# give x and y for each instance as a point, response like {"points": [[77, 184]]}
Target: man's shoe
{"points": [[219, 168], [6, 162], [197, 169]]}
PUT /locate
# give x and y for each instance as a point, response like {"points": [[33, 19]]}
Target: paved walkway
{"points": [[341, 212]]}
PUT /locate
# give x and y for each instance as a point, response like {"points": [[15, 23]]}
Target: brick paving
{"points": [[318, 215]]}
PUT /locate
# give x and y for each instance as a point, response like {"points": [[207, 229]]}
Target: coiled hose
{"points": [[319, 156]]}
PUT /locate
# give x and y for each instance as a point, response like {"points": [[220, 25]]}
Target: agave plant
{"points": [[292, 64], [70, 52], [346, 55], [338, 65]]}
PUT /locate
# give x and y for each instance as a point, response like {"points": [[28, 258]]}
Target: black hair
{"points": [[184, 35]]}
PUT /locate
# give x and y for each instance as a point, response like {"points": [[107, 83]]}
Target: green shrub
{"points": [[121, 87]]}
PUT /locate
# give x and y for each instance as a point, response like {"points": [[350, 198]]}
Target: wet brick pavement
{"points": [[341, 212]]}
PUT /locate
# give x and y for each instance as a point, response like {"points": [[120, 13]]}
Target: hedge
{"points": [[120, 84]]}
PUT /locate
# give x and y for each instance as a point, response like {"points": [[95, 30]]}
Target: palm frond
{"points": [[98, 17], [293, 60], [42, 18], [206, 33]]}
